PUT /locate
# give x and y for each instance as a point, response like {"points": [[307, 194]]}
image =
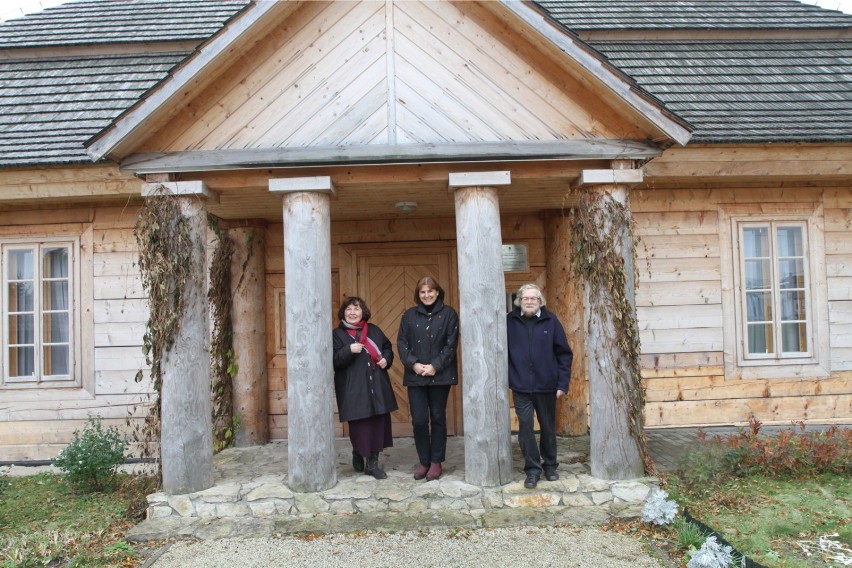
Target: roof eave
{"points": [[628, 91], [134, 121]]}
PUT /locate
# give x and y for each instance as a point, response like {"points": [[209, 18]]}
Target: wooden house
{"points": [[362, 145]]}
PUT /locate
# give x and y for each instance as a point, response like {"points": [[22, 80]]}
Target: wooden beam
{"points": [[479, 179], [597, 177], [212, 160]]}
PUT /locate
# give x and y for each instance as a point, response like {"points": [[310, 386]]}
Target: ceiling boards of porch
{"points": [[388, 73]]}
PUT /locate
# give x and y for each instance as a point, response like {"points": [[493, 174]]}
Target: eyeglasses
{"points": [[530, 300]]}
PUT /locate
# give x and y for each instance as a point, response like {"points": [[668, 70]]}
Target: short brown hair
{"points": [[351, 301], [432, 283]]}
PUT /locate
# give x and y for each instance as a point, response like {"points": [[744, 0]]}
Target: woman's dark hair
{"points": [[350, 301], [432, 283]]}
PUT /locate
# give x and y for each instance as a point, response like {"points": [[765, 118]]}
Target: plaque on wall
{"points": [[516, 258]]}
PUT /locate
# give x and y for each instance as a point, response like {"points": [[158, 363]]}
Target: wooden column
{"points": [[186, 423], [565, 298], [248, 289], [615, 453], [307, 286], [482, 302]]}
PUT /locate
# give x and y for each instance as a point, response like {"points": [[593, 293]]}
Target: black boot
{"points": [[357, 462], [373, 467]]}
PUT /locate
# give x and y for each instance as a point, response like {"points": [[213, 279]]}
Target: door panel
{"points": [[385, 278]]}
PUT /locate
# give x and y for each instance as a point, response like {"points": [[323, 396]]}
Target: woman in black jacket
{"points": [[362, 356], [427, 344]]}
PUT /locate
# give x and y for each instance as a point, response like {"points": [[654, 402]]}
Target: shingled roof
{"points": [[50, 107], [747, 91], [93, 22], [773, 90], [586, 15]]}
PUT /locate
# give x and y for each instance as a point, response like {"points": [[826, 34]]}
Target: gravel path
{"points": [[525, 546]]}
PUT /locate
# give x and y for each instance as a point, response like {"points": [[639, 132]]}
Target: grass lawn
{"points": [[43, 520], [766, 518]]}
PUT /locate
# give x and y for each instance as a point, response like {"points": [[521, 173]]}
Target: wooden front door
{"points": [[385, 276]]}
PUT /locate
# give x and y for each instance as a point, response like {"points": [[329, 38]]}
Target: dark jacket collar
{"points": [[516, 313], [436, 307]]}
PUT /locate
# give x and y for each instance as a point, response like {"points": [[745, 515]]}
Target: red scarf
{"points": [[360, 329]]}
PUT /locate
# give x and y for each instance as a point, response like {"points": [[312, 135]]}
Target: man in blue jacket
{"points": [[539, 370]]}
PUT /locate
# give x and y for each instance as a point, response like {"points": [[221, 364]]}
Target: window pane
{"points": [[791, 273], [794, 337], [55, 262], [793, 306], [55, 328], [21, 329], [20, 296], [20, 264], [790, 241], [759, 306], [758, 275], [760, 339], [55, 295], [22, 361], [756, 241], [56, 360]]}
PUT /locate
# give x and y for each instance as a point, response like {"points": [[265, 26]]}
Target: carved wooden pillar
{"points": [[307, 285], [248, 289], [482, 303], [186, 424], [615, 453], [565, 298]]}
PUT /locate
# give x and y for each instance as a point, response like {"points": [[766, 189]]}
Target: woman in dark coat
{"points": [[365, 398], [427, 344]]}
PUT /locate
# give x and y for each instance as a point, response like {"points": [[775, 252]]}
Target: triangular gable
{"points": [[349, 74]]}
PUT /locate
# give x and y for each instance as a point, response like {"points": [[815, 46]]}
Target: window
{"points": [[774, 290], [774, 303], [38, 303]]}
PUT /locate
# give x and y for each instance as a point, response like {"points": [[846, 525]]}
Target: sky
{"points": [[15, 8]]}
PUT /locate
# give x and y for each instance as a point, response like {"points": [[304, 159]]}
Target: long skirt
{"points": [[371, 435]]}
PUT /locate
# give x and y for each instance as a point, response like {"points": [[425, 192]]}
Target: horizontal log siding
{"points": [[680, 313]]}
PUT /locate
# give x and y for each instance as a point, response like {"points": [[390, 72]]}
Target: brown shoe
{"points": [[420, 472], [434, 471]]}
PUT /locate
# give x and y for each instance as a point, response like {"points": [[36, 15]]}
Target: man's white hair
{"points": [[523, 289]]}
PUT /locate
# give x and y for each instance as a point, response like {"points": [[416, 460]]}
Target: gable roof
{"points": [[729, 90]]}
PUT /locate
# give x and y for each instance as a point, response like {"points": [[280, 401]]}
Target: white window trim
{"points": [[82, 387], [817, 364]]}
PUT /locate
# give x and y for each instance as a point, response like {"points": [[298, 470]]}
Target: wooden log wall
{"points": [[35, 425], [679, 307]]}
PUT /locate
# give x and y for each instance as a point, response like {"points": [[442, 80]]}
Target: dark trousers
{"points": [[537, 457], [429, 408]]}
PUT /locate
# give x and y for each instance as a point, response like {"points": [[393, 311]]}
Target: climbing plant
{"points": [[223, 365], [165, 258], [600, 226]]}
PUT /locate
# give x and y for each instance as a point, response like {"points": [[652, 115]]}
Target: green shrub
{"points": [[91, 459]]}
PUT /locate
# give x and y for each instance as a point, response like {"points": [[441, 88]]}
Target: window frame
{"points": [[74, 379], [814, 362], [775, 291]]}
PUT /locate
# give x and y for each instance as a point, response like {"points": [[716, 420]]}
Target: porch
{"points": [[250, 497]]}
